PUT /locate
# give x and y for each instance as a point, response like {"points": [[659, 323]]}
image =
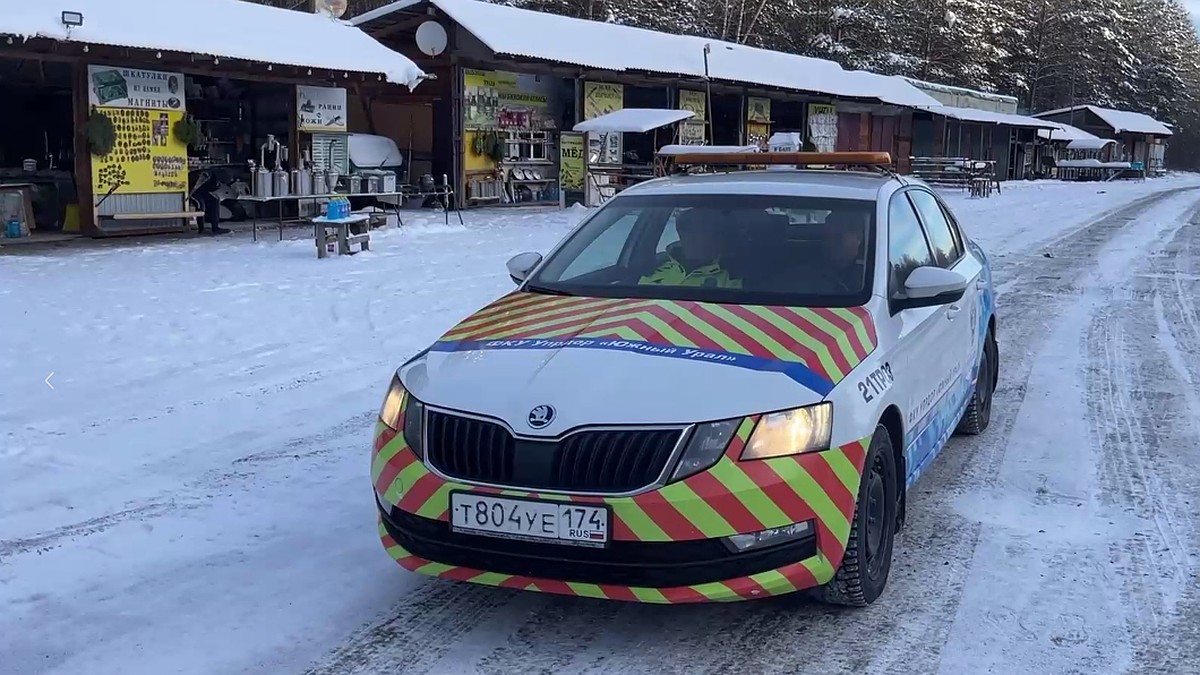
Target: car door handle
{"points": [[952, 311], [981, 283]]}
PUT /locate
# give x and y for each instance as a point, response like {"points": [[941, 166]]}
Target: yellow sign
{"points": [[693, 101], [146, 157], [758, 110], [571, 165], [496, 99], [601, 98]]}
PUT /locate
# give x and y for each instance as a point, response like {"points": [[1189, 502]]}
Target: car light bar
{"points": [[769, 158]]}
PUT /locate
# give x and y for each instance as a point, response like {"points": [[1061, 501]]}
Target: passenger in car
{"points": [[842, 246], [694, 260]]}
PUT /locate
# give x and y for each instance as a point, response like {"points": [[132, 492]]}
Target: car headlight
{"points": [[705, 447], [791, 432], [398, 401]]}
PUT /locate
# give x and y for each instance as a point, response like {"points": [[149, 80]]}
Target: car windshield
{"points": [[735, 249]]}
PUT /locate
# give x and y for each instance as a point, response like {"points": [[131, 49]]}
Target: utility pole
{"points": [[708, 109]]}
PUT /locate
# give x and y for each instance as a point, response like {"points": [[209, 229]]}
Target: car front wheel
{"points": [[864, 570], [978, 415]]}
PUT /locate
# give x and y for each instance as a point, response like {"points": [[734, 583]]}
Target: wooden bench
{"points": [[342, 234], [190, 215], [981, 187]]}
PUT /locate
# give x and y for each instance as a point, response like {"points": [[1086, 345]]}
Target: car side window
{"points": [[945, 247], [955, 229], [907, 246], [605, 250]]}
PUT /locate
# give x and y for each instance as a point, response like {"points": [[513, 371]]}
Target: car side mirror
{"points": [[521, 264], [932, 286]]}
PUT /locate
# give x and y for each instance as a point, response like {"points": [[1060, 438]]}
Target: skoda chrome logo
{"points": [[541, 416]]}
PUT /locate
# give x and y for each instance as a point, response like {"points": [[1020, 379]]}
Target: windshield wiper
{"points": [[546, 291]]}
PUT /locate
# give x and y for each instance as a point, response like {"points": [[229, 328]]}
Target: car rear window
{"points": [[738, 249]]}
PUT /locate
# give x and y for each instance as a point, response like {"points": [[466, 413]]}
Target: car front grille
{"points": [[599, 461]]}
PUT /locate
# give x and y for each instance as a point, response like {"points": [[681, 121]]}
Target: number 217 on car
{"points": [[531, 520]]}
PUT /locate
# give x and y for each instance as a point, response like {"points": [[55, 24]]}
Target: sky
{"points": [[1193, 6]]}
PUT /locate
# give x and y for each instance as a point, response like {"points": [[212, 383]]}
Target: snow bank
{"points": [[223, 28]]}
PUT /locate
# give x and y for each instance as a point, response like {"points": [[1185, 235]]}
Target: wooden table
{"points": [[444, 193], [345, 232]]}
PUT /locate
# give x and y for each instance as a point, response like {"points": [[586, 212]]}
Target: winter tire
{"points": [[979, 411], [868, 560]]}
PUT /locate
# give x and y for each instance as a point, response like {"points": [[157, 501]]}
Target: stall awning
{"points": [[706, 149], [633, 120], [220, 28]]}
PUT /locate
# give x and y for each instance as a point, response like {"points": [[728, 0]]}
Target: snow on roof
{"points": [[1120, 120], [950, 89], [989, 117], [1065, 132], [633, 120], [608, 46], [1089, 143], [228, 28]]}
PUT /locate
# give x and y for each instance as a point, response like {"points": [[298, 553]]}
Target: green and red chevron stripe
{"points": [[788, 579], [830, 342], [733, 497]]}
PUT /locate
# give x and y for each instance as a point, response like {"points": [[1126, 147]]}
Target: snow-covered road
{"points": [[192, 495]]}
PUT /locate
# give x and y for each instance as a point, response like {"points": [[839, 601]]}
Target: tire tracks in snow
{"points": [[1146, 411], [908, 627], [1050, 511]]}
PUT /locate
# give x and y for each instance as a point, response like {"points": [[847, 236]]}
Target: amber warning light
{"points": [[793, 158]]}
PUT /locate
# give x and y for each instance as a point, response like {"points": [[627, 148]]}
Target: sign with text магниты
{"points": [[110, 87]]}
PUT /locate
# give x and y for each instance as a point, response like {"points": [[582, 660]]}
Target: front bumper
{"points": [[666, 545]]}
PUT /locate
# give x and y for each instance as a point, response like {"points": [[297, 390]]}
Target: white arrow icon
{"points": [[48, 380]]}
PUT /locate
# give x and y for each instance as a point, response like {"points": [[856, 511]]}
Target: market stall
{"points": [[605, 174], [141, 115], [37, 186], [510, 139]]}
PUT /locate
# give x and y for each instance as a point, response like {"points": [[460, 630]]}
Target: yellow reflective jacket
{"points": [[673, 273]]}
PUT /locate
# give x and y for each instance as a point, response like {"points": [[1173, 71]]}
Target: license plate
{"points": [[529, 520]]}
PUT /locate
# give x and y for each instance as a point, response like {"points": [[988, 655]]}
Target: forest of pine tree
{"points": [[1140, 55]]}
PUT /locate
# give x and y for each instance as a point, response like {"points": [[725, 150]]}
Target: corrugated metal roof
{"points": [[989, 117], [224, 28], [608, 46], [1119, 120]]}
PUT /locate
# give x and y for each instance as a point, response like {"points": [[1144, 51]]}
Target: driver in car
{"points": [[694, 260]]}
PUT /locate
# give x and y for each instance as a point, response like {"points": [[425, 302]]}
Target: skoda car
{"points": [[716, 387]]}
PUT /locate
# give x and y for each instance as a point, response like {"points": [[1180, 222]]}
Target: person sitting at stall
{"points": [[694, 260], [204, 191]]}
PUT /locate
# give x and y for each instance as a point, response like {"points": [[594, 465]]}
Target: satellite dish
{"points": [[332, 8], [431, 38]]}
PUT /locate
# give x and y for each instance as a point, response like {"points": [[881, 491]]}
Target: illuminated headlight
{"points": [[740, 543], [791, 432], [412, 423], [705, 447]]}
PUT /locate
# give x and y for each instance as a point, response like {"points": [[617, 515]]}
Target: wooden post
{"points": [[84, 190]]}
